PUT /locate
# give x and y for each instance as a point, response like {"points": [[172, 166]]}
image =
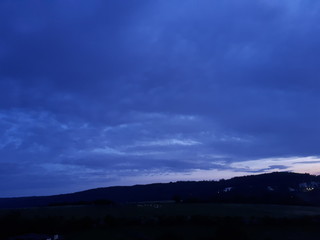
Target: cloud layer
{"points": [[107, 93]]}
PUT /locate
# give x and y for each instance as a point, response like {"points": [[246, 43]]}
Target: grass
{"points": [[235, 221], [198, 233], [127, 211]]}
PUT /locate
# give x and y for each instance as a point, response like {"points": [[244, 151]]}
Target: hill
{"points": [[272, 188]]}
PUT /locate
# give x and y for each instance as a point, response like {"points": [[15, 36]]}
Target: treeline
{"points": [[274, 188], [256, 196], [99, 202]]}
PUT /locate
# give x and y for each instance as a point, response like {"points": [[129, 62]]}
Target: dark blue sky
{"points": [[100, 93]]}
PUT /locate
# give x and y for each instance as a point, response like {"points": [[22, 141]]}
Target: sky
{"points": [[103, 93]]}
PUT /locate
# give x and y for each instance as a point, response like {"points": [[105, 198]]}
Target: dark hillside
{"points": [[275, 188]]}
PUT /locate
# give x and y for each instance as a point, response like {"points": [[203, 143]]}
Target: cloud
{"points": [[308, 164], [170, 142], [167, 87]]}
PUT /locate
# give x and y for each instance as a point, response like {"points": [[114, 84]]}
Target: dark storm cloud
{"points": [[109, 89]]}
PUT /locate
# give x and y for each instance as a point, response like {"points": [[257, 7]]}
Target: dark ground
{"points": [[157, 221]]}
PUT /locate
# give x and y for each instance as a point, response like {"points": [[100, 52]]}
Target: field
{"points": [[157, 221], [152, 209]]}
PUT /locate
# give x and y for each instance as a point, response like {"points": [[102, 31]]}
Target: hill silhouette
{"points": [[269, 188]]}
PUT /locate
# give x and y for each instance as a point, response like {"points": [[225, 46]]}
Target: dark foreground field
{"points": [[165, 221]]}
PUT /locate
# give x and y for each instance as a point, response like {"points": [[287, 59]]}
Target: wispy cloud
{"points": [[169, 142], [308, 164]]}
